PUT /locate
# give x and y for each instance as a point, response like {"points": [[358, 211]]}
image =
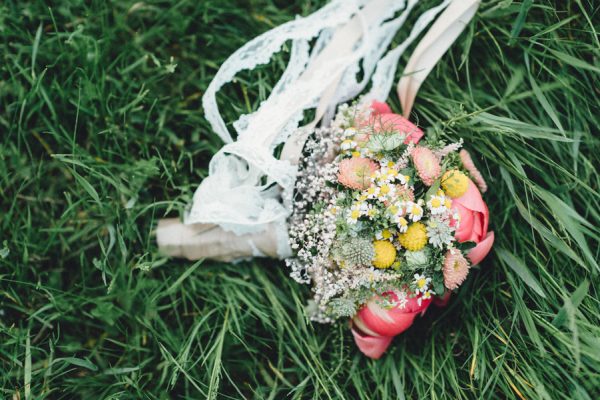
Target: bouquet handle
{"points": [[196, 241]]}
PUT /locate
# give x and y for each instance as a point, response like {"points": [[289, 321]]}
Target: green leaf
{"points": [[87, 187], [78, 362], [519, 267], [575, 300]]}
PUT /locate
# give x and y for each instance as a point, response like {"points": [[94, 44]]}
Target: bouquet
{"points": [[390, 224], [379, 221]]}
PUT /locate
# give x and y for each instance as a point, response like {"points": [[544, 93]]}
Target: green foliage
{"points": [[101, 134]]}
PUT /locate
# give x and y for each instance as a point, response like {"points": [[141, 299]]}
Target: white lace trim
{"points": [[246, 184]]}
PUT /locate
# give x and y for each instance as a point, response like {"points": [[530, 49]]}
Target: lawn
{"points": [[102, 133]]}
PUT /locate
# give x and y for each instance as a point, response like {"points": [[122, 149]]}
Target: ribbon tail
{"points": [[432, 47]]}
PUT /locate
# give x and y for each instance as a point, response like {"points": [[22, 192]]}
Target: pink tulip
{"points": [[374, 327], [382, 118], [474, 220]]}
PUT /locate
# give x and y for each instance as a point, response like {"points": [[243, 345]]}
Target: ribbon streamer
{"points": [[432, 47], [248, 192]]}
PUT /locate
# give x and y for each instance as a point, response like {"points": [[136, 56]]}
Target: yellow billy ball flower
{"points": [[455, 183], [415, 237], [385, 254]]}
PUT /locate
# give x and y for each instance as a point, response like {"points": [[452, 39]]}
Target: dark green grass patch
{"points": [[102, 133]]}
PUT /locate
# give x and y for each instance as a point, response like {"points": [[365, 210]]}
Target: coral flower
{"points": [[355, 172], [374, 326], [427, 165], [467, 161], [456, 269], [382, 119], [474, 219]]}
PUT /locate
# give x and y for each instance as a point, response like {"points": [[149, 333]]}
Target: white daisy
{"points": [[386, 192], [437, 205], [421, 283], [385, 234], [372, 192], [414, 211]]}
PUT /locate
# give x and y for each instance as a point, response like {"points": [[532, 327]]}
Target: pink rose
{"points": [[374, 327], [382, 118], [473, 226]]}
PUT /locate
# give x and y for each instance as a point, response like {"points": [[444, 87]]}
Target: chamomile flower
{"points": [[386, 192], [386, 163], [426, 296], [361, 196], [372, 192], [436, 205], [357, 210], [402, 224], [414, 211], [395, 209], [371, 212], [385, 234], [421, 283]]}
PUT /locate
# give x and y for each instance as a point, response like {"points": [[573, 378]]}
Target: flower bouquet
{"points": [[379, 221], [389, 225]]}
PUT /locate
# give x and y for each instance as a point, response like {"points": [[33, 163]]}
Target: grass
{"points": [[102, 134]]}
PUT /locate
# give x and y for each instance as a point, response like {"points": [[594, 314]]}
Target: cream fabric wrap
{"points": [[240, 209]]}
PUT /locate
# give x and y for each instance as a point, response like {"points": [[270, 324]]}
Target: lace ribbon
{"points": [[248, 190]]}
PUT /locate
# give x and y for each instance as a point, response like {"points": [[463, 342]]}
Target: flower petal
{"points": [[398, 123], [371, 346], [478, 253], [379, 107], [472, 199], [389, 322], [463, 233]]}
